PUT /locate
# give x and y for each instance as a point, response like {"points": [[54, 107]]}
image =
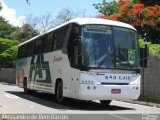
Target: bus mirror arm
{"points": [[77, 40]]}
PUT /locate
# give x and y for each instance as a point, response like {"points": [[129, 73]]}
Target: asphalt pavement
{"points": [[44, 106]]}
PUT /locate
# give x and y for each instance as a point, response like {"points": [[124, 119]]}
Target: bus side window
{"points": [[38, 46], [60, 37], [45, 45], [30, 49], [27, 47], [24, 51], [51, 39], [19, 52], [55, 41]]}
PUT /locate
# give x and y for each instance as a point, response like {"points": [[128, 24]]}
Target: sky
{"points": [[15, 11]]}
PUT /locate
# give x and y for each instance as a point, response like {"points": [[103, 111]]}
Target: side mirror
{"points": [[143, 56]]}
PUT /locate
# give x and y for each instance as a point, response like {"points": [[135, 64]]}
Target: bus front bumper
{"points": [[108, 92]]}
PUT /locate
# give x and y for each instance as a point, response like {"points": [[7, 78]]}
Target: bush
{"points": [[8, 52], [154, 49]]}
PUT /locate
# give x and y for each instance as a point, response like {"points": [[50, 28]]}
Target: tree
{"points": [[0, 6], [8, 52], [24, 33], [42, 22], [107, 8], [145, 19], [5, 28], [64, 15], [45, 22], [17, 33], [30, 19], [150, 2], [67, 14]]}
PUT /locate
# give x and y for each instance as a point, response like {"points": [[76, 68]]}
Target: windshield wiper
{"points": [[103, 59]]}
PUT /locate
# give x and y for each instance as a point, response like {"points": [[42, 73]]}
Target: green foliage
{"points": [[154, 49], [5, 28], [8, 47], [158, 21], [8, 52], [142, 43], [107, 8], [24, 33], [17, 33]]}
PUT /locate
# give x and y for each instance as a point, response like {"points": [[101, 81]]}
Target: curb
{"points": [[144, 103]]}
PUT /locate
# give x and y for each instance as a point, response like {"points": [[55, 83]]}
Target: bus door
{"points": [[75, 83], [73, 54], [74, 70]]}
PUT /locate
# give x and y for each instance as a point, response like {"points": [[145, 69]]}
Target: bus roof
{"points": [[84, 21]]}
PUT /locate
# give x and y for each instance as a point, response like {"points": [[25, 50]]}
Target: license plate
{"points": [[116, 91]]}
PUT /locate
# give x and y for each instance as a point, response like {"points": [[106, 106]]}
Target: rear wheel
{"points": [[105, 102], [59, 92]]}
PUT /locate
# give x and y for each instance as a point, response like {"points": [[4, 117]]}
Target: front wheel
{"points": [[105, 102], [59, 92]]}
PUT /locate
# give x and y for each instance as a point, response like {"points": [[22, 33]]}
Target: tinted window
{"points": [[30, 49], [38, 46], [24, 51], [51, 39], [60, 37], [19, 52], [46, 44]]}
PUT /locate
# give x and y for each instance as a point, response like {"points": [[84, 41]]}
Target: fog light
{"points": [[94, 87], [88, 87]]}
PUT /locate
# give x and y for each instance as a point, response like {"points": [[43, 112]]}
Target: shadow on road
{"points": [[70, 104]]}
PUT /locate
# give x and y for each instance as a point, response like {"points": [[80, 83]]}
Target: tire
{"points": [[105, 102], [59, 92]]}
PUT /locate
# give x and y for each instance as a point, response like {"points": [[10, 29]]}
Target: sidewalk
{"points": [[143, 103]]}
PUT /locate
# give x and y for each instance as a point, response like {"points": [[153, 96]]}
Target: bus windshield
{"points": [[109, 47]]}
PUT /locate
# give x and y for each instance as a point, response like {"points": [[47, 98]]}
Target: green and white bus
{"points": [[84, 59]]}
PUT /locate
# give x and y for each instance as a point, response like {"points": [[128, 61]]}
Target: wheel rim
{"points": [[59, 92]]}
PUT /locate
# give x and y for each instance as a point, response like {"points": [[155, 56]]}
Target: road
{"points": [[14, 101]]}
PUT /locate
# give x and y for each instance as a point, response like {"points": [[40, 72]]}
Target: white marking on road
{"points": [[123, 118], [11, 96]]}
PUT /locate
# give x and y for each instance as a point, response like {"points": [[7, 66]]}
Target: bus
{"points": [[84, 59]]}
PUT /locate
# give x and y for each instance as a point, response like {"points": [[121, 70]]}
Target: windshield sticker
{"points": [[98, 29]]}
